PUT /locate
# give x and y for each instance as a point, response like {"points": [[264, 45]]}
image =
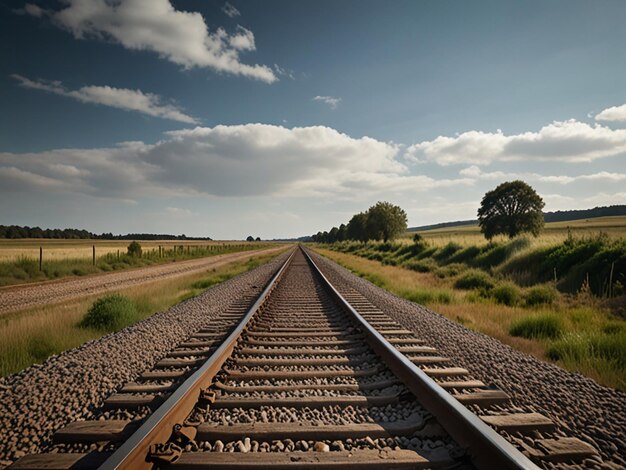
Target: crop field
{"points": [[19, 259], [53, 249]]}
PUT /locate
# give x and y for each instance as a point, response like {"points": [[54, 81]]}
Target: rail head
{"points": [[486, 447], [157, 428]]}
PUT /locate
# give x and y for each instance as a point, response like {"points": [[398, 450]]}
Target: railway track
{"points": [[302, 376]]}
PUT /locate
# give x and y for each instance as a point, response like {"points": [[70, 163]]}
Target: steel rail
{"points": [[485, 446], [159, 425]]}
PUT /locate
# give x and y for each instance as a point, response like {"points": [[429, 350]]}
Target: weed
{"points": [[545, 325]]}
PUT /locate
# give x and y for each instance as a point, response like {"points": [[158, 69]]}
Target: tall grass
{"points": [[546, 325], [24, 269]]}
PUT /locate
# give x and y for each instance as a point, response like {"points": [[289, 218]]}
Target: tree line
{"points": [[382, 221], [16, 231], [511, 208]]}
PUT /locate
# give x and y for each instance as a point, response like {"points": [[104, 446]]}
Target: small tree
{"points": [[386, 221], [257, 239], [512, 208], [134, 249], [250, 238]]}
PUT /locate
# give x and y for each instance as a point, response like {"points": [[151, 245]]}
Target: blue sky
{"points": [[281, 118]]}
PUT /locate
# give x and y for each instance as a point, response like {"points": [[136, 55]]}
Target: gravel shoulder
{"points": [[14, 298], [578, 405], [72, 385]]}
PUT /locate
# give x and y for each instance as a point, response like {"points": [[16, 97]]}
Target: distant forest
{"points": [[558, 216], [15, 231]]}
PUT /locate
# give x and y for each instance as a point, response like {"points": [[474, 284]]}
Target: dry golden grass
{"points": [[32, 335], [553, 233], [11, 250]]}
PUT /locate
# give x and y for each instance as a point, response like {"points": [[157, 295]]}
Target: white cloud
{"points": [[476, 173], [230, 10], [329, 100], [155, 25], [227, 161], [566, 141], [613, 114], [122, 98]]}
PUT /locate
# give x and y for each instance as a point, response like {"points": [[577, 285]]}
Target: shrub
{"points": [[417, 238], [537, 326], [465, 255], [447, 251], [110, 313], [474, 279], [506, 293], [420, 266], [497, 253], [134, 249], [450, 270], [540, 295]]}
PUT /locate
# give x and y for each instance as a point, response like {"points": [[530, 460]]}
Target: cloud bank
{"points": [[181, 37], [227, 161], [121, 98], [564, 141]]}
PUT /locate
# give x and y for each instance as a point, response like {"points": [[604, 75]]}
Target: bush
{"points": [[420, 266], [134, 249], [447, 251], [110, 313], [465, 255], [417, 238], [474, 279], [506, 293], [537, 326], [540, 295], [497, 253], [450, 270]]}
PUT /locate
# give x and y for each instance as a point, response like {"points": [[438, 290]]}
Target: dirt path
{"points": [[20, 297]]}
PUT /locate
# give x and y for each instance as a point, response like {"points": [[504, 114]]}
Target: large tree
{"points": [[385, 221], [356, 227], [512, 208]]}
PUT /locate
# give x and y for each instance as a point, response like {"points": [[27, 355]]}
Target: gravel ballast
{"points": [[72, 385], [577, 404]]}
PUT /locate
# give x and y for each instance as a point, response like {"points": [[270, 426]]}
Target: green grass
{"points": [[594, 354], [546, 325], [540, 295], [428, 296], [506, 293], [33, 335]]}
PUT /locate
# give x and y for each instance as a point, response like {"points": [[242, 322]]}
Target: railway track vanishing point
{"points": [[302, 376]]}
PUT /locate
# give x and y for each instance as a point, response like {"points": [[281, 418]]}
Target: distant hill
{"points": [[558, 216], [15, 231]]}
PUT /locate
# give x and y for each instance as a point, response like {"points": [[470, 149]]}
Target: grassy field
{"points": [[554, 232], [31, 336], [561, 297], [19, 259]]}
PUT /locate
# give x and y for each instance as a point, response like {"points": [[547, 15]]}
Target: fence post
{"points": [[94, 254], [40, 258]]}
